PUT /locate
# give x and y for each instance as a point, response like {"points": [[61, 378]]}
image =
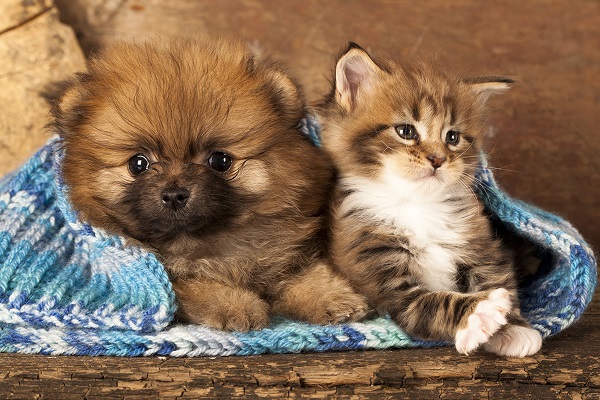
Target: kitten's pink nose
{"points": [[436, 161]]}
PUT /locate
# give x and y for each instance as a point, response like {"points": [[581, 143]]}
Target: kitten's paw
{"points": [[515, 341], [489, 316]]}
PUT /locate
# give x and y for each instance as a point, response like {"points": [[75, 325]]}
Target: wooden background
{"points": [[545, 145]]}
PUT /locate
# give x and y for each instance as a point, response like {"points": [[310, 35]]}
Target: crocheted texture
{"points": [[69, 288]]}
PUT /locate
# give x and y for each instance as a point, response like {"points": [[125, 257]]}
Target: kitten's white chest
{"points": [[434, 227], [429, 229]]}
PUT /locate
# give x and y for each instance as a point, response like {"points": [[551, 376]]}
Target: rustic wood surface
{"points": [[567, 367], [546, 143]]}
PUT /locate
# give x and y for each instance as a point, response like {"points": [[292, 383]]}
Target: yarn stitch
{"points": [[69, 288]]}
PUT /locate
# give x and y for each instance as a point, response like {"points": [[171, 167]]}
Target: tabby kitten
{"points": [[408, 230]]}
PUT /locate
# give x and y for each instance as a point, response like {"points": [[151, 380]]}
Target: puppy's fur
{"points": [[240, 240]]}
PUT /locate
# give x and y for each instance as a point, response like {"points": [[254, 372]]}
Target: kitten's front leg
{"points": [[468, 319], [485, 318], [488, 316], [517, 338]]}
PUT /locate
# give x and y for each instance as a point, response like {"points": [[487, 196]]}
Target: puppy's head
{"points": [[188, 137]]}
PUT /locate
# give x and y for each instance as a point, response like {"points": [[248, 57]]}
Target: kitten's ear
{"points": [[355, 76], [485, 86]]}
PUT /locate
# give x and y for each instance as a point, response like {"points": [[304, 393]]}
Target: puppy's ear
{"points": [[284, 85], [286, 94], [355, 76], [67, 108], [486, 86]]}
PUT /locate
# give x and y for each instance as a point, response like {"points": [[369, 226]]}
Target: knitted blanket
{"points": [[70, 288]]}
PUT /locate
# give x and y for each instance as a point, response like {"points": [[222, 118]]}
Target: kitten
{"points": [[190, 148], [408, 229]]}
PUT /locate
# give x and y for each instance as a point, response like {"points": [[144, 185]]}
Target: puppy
{"points": [[190, 148]]}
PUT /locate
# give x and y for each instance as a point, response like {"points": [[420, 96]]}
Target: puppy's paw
{"points": [[515, 341], [321, 297], [489, 316], [336, 307], [243, 312], [220, 306]]}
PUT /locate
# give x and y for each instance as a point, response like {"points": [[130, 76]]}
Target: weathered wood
{"points": [[567, 367]]}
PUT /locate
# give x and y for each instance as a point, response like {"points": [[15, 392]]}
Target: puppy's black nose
{"points": [[175, 198]]}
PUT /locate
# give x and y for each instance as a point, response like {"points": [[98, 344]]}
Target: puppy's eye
{"points": [[452, 138], [219, 161], [407, 132], [138, 164]]}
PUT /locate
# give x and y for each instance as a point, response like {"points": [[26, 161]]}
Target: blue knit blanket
{"points": [[70, 288]]}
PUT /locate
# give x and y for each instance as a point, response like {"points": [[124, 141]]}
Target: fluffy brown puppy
{"points": [[191, 148]]}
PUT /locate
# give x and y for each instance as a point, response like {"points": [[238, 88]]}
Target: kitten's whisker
{"points": [[467, 181], [502, 169], [384, 143], [467, 149]]}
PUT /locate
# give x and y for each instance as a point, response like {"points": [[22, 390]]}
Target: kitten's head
{"points": [[185, 138], [405, 122]]}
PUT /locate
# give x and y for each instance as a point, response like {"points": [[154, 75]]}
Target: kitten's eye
{"points": [[220, 161], [138, 164], [407, 132], [452, 138]]}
